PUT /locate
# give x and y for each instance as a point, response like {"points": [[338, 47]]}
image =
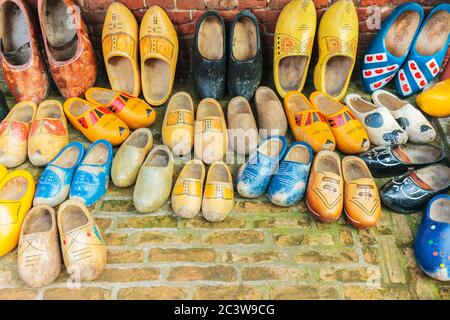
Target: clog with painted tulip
{"points": [[91, 179], [14, 133], [136, 113], [350, 135], [96, 122], [159, 54], [294, 40], [218, 198], [82, 245], [434, 101], [48, 133], [187, 191], [54, 183], [120, 38], [338, 42], [307, 123], [16, 198]]}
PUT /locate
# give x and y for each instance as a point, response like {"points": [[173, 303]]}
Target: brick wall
{"points": [[185, 13]]}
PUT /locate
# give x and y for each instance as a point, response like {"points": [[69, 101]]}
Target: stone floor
{"points": [[259, 252]]}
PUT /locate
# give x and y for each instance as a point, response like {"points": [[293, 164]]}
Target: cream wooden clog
{"points": [[242, 130], [271, 118]]}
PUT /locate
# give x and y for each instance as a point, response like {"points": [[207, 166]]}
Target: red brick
{"points": [[270, 27], [252, 4], [278, 4], [179, 17], [365, 3], [165, 4], [134, 4], [221, 4], [228, 15], [190, 4], [321, 4], [186, 28], [265, 15]]}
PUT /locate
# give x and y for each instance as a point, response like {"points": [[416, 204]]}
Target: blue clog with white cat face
{"points": [[54, 183], [92, 176], [288, 185]]}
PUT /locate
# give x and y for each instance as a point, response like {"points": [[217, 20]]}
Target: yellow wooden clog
{"points": [[294, 39], [159, 54], [338, 42], [187, 192], [120, 49], [435, 101], [135, 112], [16, 197]]}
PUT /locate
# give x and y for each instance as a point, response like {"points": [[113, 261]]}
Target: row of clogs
{"points": [[68, 50], [156, 43]]}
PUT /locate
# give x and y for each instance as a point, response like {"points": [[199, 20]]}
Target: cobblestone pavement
{"points": [[260, 252]]}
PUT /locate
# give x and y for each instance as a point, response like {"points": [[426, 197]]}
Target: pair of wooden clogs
{"points": [[158, 46], [350, 186], [80, 240], [37, 132], [218, 199], [294, 39], [108, 114]]}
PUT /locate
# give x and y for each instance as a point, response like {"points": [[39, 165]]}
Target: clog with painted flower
{"points": [[178, 124], [325, 194], [96, 122], [159, 54], [362, 203], [432, 242], [91, 178], [120, 38], [350, 135], [187, 191], [288, 186], [48, 133], [377, 120], [218, 197], [338, 42], [434, 101], [130, 156], [294, 40], [16, 197], [54, 183], [136, 113], [427, 52], [82, 245], [39, 257], [307, 123], [14, 132]]}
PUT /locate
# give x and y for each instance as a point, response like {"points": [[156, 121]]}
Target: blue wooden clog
{"points": [[432, 243], [54, 183], [288, 185], [391, 45], [92, 176], [254, 176], [427, 53]]}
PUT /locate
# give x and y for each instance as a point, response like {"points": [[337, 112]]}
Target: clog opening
{"points": [[102, 96], [193, 171], [337, 71], [436, 176], [219, 173], [326, 104], [39, 220], [299, 153], [156, 79], [68, 158], [78, 107], [391, 102], [22, 113], [14, 189], [159, 159], [138, 140], [210, 39], [14, 34], [328, 163], [271, 148], [49, 111], [291, 71], [434, 34], [361, 105], [245, 44], [417, 154], [121, 73], [298, 103], [440, 210], [180, 101], [401, 32], [208, 108], [354, 170], [73, 217], [98, 155]]}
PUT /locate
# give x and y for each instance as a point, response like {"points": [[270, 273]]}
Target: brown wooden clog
{"points": [[242, 130], [271, 117]]}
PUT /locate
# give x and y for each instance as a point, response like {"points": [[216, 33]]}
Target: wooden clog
{"points": [[159, 54], [16, 197], [95, 122], [338, 43], [154, 181], [14, 132], [130, 156], [294, 39], [218, 198], [242, 131], [434, 101], [135, 112], [82, 244], [120, 37], [39, 257], [271, 118], [48, 133], [211, 137], [187, 191], [178, 125]]}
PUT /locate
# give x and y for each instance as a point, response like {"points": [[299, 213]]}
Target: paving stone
{"points": [[125, 256], [241, 292], [234, 237], [313, 239], [311, 292], [18, 294], [392, 260], [84, 293], [273, 273], [152, 293], [323, 256], [144, 238], [261, 256], [191, 255], [369, 274], [193, 273], [128, 275], [365, 293], [292, 222], [229, 223], [148, 222]]}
